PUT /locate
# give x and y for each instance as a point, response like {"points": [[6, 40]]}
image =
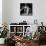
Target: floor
{"points": [[2, 45], [42, 45], [36, 44], [33, 45]]}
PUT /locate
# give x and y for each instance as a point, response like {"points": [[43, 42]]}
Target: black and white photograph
{"points": [[26, 9]]}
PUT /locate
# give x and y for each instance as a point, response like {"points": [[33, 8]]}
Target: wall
{"points": [[0, 13], [12, 11], [4, 13]]}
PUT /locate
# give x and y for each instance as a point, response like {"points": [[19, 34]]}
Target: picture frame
{"points": [[26, 9]]}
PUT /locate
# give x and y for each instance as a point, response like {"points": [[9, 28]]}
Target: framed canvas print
{"points": [[26, 9]]}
